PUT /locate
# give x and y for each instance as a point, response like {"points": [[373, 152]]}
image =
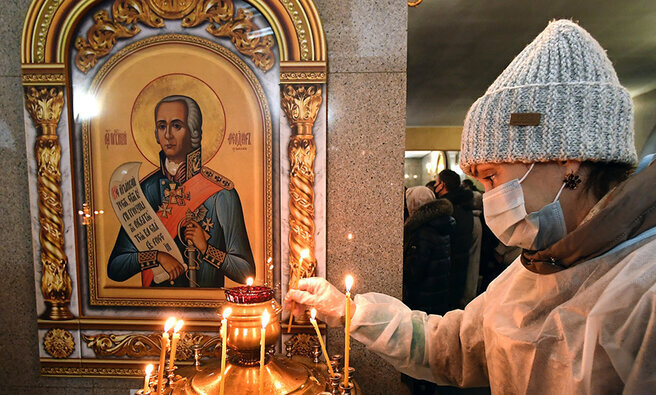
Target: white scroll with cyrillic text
{"points": [[138, 218]]}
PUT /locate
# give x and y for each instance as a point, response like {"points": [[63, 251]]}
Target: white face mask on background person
{"points": [[505, 214]]}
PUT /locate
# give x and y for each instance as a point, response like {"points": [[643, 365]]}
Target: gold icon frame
{"points": [[46, 64]]}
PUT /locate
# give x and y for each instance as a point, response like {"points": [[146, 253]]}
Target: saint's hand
{"points": [[194, 232], [170, 264]]}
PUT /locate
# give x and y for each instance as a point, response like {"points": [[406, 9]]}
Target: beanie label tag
{"points": [[525, 118]]}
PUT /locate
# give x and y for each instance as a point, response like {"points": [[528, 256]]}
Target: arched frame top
{"points": [[49, 25]]}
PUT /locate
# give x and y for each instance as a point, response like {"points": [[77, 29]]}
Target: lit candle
{"points": [[249, 281], [174, 342], [313, 314], [265, 322], [293, 283], [149, 370], [162, 356], [224, 335], [347, 329]]}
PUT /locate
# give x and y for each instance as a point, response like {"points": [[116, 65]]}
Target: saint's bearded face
{"points": [[172, 131]]}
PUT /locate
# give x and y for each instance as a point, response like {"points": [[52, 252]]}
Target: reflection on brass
{"points": [[138, 346], [302, 344], [59, 343], [223, 22], [301, 104], [45, 106], [244, 330], [414, 3], [294, 375]]}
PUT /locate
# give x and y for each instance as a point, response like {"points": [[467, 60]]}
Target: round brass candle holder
{"points": [[282, 375]]}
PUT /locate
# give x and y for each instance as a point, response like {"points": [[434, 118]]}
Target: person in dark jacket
{"points": [[426, 261], [427, 252], [448, 187]]}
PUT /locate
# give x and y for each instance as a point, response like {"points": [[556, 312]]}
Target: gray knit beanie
{"points": [[559, 99]]}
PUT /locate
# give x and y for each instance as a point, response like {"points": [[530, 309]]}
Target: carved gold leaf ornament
{"points": [[138, 345], [58, 343], [220, 14], [44, 105], [301, 104]]}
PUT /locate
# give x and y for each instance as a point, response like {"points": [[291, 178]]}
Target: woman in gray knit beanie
{"points": [[552, 142]]}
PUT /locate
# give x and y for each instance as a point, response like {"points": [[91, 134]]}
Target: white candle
{"points": [[313, 314], [149, 370], [174, 343], [224, 335], [265, 322], [347, 329]]}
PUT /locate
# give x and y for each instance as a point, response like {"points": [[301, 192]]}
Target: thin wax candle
{"points": [[313, 314], [170, 323], [265, 322], [347, 329], [174, 343], [224, 335], [149, 371]]}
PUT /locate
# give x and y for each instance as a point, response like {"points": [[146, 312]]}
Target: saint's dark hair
{"points": [[601, 177]]}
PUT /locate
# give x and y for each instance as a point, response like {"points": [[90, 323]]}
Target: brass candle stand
{"points": [[282, 374]]}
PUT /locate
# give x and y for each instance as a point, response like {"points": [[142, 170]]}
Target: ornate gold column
{"points": [[45, 106], [301, 103]]}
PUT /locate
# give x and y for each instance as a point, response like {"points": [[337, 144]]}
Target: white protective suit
{"points": [[588, 329]]}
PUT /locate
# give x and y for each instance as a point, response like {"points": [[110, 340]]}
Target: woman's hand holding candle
{"points": [[319, 293]]}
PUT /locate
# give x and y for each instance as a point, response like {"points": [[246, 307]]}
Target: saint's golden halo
{"points": [[142, 121]]}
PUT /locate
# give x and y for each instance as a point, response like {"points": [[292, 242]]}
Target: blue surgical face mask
{"points": [[505, 214]]}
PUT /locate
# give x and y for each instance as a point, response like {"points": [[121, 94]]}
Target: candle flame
{"points": [[226, 312], [265, 319], [149, 369], [305, 254], [249, 281], [169, 324], [313, 314], [349, 283], [349, 236], [178, 326]]}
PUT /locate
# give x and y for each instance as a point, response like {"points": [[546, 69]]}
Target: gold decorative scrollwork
{"points": [[59, 343], [136, 346], [292, 77], [45, 106], [126, 14], [302, 344], [300, 104]]}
